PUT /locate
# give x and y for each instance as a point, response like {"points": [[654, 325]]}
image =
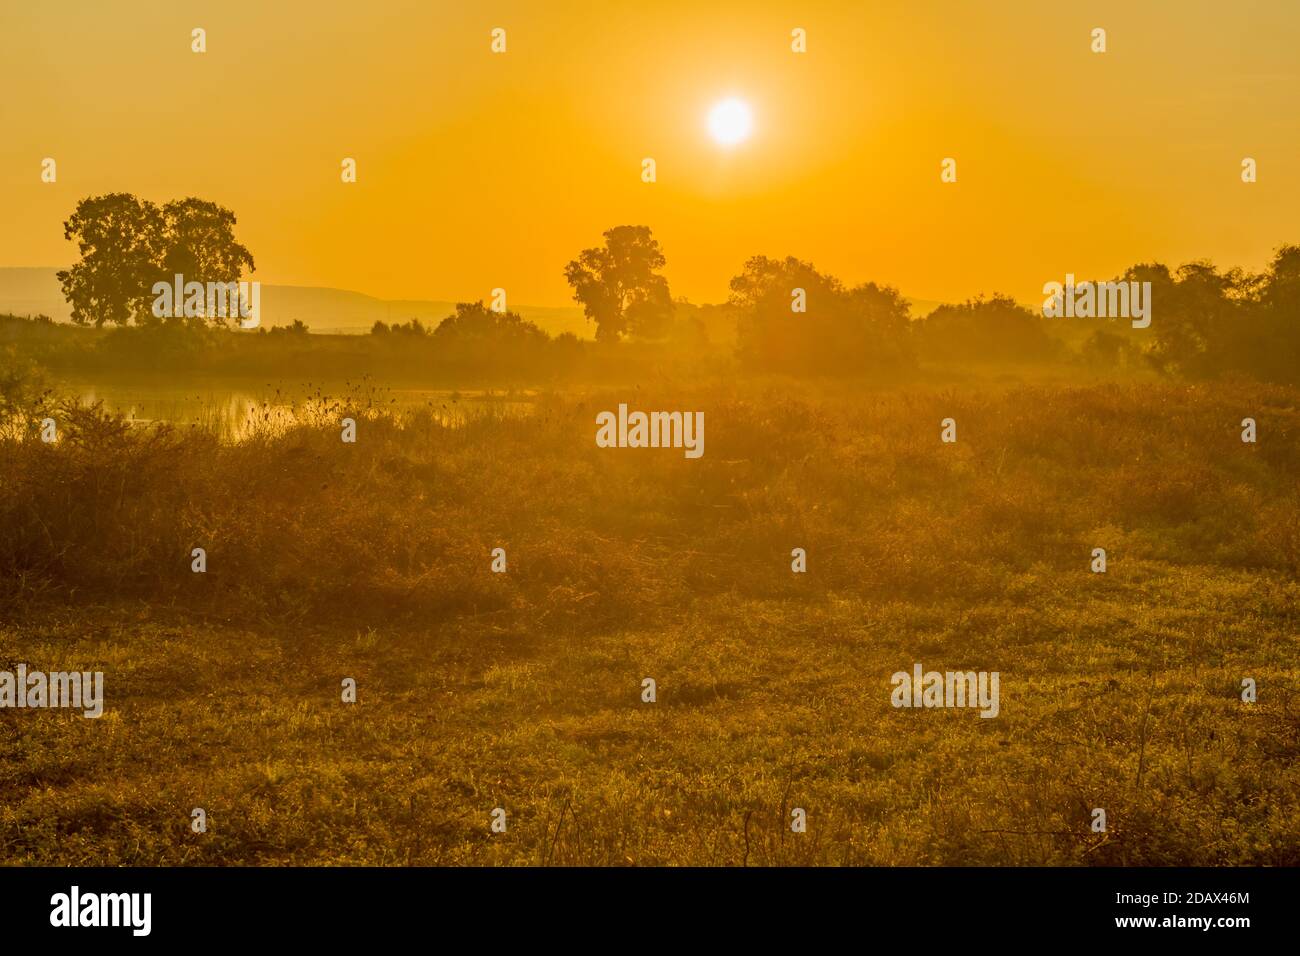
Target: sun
{"points": [[730, 121]]}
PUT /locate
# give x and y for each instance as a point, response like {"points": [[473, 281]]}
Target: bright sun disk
{"points": [[730, 121]]}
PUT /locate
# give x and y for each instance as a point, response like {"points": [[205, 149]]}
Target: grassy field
{"points": [[522, 690]]}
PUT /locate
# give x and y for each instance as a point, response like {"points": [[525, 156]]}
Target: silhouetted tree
{"points": [[1200, 318], [996, 329], [128, 244], [1279, 320], [121, 240], [1281, 284], [841, 332], [618, 286], [475, 324], [200, 243], [413, 327], [297, 327]]}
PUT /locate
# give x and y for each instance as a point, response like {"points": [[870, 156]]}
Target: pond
{"points": [[231, 408]]}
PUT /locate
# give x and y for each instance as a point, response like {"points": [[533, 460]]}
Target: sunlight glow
{"points": [[730, 121]]}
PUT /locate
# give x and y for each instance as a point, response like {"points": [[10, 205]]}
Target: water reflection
{"points": [[233, 411]]}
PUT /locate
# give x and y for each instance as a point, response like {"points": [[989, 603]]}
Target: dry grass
{"points": [[522, 690]]}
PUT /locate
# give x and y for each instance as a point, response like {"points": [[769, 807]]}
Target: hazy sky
{"points": [[479, 170]]}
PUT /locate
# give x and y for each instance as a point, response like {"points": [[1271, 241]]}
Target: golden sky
{"points": [[479, 170]]}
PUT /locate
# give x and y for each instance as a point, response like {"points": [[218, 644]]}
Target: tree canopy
{"points": [[995, 329], [795, 319], [618, 286], [128, 244]]}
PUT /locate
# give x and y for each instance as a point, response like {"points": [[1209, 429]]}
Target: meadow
{"points": [[523, 690]]}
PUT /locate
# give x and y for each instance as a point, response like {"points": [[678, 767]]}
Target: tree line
{"points": [[788, 316]]}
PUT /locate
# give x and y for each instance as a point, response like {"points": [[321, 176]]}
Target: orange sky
{"points": [[479, 170]]}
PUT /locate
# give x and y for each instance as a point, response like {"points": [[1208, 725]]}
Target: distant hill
{"points": [[32, 291]]}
